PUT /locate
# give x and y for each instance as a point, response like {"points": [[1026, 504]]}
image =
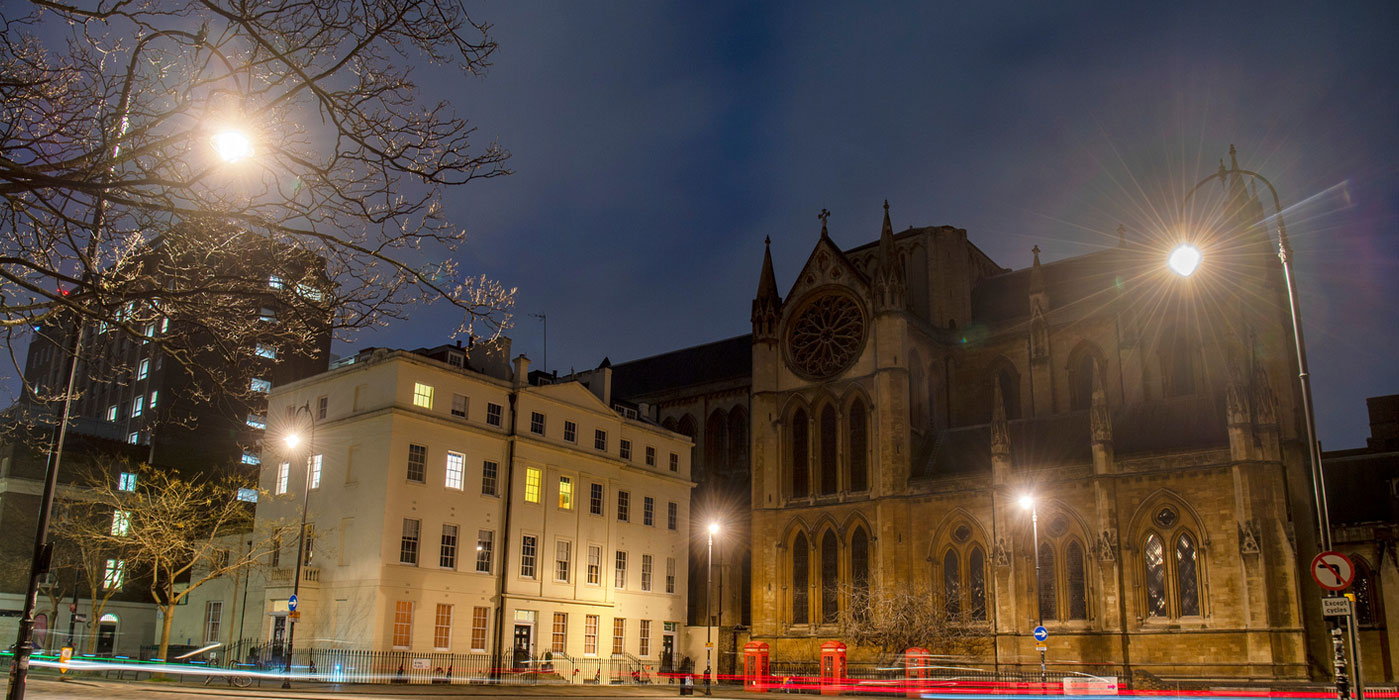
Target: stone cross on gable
{"points": [[825, 214]]}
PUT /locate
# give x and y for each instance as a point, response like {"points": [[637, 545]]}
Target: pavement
{"points": [[51, 688]]}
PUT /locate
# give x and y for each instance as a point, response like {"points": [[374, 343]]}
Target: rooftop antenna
{"points": [[544, 365]]}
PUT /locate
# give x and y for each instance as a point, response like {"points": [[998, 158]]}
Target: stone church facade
{"points": [[906, 394]]}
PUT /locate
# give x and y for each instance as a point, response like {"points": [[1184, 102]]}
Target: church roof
{"points": [[1005, 297], [1061, 439], [702, 364], [1358, 485]]}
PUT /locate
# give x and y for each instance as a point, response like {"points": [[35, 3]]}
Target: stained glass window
{"points": [[1076, 582], [859, 447], [860, 559], [1155, 556], [800, 458], [1364, 594], [828, 450], [830, 577], [976, 582], [801, 554], [1187, 580], [962, 533], [1049, 608], [952, 584]]}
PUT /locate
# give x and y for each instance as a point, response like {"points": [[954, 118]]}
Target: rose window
{"points": [[826, 336]]}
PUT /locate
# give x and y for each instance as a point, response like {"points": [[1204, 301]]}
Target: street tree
{"points": [[894, 620], [146, 143], [173, 531]]}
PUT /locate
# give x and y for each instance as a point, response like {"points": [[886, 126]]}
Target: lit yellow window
{"points": [[532, 485], [422, 395], [565, 493]]}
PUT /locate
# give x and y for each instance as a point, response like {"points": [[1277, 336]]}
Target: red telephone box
{"points": [[916, 662], [832, 667], [755, 667]]}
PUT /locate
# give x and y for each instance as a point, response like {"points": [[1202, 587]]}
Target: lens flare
{"points": [[232, 146], [1184, 259]]}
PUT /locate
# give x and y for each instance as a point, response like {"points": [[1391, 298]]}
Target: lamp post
{"points": [[1184, 260], [292, 440], [708, 619], [1028, 501], [43, 548]]}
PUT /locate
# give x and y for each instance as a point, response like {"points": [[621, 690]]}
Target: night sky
{"points": [[656, 144]]}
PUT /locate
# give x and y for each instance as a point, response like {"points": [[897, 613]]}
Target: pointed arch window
{"points": [[1081, 372], [801, 458], [1187, 578], [830, 577], [1010, 391], [801, 587], [716, 442], [976, 582], [952, 584], [738, 441], [1075, 582], [1155, 555], [829, 481], [860, 559], [1366, 594], [1172, 565], [859, 447], [1049, 595]]}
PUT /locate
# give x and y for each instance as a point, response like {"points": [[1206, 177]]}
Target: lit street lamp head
{"points": [[1027, 501], [714, 528], [1184, 259], [232, 145], [293, 440]]}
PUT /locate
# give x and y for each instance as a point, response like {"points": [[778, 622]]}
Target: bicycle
{"points": [[236, 680]]}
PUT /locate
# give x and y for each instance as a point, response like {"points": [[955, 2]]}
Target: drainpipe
{"points": [[507, 501]]}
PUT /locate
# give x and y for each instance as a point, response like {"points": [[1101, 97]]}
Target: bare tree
{"points": [[146, 143], [173, 530], [85, 528], [894, 620]]}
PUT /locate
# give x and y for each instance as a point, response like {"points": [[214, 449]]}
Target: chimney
{"points": [[521, 371]]}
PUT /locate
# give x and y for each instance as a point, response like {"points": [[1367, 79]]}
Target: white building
{"points": [[456, 507]]}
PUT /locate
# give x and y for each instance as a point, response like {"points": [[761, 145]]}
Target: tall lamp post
{"points": [[293, 439], [1183, 261], [1027, 501], [709, 619]]}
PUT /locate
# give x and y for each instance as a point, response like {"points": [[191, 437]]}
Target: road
{"points": [[94, 689]]}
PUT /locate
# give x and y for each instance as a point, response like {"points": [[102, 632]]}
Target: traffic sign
{"points": [[1335, 606], [79, 617], [1332, 571], [291, 603], [1040, 647], [1041, 633]]}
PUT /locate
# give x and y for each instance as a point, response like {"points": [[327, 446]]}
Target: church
{"points": [[1094, 444]]}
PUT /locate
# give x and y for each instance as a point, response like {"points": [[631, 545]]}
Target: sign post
{"points": [[1041, 634], [1334, 572]]}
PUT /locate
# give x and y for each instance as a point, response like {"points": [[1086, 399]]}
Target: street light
{"points": [[1323, 516], [1028, 502], [1184, 259], [293, 439], [232, 145], [709, 620]]}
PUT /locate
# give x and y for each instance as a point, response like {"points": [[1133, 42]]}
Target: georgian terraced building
{"points": [[458, 506]]}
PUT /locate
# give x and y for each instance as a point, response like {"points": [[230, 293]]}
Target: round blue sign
{"points": [[1041, 633], [291, 605]]}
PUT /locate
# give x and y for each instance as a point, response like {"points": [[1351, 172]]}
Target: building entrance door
{"points": [[522, 646], [106, 638], [279, 637], [668, 653]]}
